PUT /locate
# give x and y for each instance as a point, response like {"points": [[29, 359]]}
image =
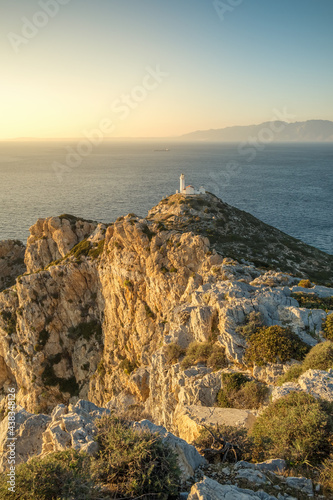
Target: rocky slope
{"points": [[100, 307], [94, 313], [238, 234]]}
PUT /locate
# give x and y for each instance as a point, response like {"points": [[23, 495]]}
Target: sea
{"points": [[289, 186]]}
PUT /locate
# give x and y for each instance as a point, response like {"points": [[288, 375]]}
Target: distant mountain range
{"points": [[274, 131]]}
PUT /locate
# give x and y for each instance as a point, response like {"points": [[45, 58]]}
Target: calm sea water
{"points": [[288, 186]]}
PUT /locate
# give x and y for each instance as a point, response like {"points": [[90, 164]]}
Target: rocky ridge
{"points": [[99, 306]]}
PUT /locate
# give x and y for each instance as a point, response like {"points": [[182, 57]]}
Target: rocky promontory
{"points": [[150, 316]]}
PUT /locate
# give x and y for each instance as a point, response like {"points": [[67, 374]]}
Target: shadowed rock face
{"points": [[94, 317], [11, 262]]}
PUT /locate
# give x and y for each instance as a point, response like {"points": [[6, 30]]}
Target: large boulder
{"points": [[73, 427], [208, 489], [189, 420], [245, 480], [29, 429]]}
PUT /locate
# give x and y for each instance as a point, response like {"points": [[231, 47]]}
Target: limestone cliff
{"points": [[94, 314]]}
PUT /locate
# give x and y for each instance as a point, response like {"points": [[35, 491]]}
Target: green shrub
{"points": [[296, 427], [59, 475], [133, 463], [328, 327], [197, 352], [274, 344], [81, 249], [305, 284], [326, 476], [311, 301], [253, 322], [217, 360], [239, 392], [173, 352], [98, 250], [206, 353], [291, 375], [320, 357]]}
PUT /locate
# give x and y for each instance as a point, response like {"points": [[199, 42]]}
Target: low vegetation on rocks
{"points": [[253, 322], [296, 427], [312, 301], [133, 463], [274, 344], [206, 353], [81, 250], [328, 327], [305, 284], [326, 476], [173, 352], [59, 475], [320, 357], [130, 464], [238, 391]]}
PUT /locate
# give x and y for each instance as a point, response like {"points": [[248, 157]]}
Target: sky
{"points": [[149, 68]]}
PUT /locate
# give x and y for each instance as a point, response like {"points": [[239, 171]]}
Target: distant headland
{"points": [[276, 131]]}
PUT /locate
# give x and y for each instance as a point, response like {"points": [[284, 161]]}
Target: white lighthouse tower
{"points": [[182, 183], [189, 190]]}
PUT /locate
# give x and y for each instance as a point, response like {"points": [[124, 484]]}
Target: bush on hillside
{"points": [[326, 476], [239, 392], [328, 327], [312, 301], [274, 344], [63, 474], [173, 352], [253, 322], [305, 284], [206, 353], [296, 427], [133, 463], [320, 357]]}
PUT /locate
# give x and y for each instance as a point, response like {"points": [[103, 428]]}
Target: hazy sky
{"points": [[161, 67]]}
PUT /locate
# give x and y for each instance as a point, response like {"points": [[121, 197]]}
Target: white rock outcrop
{"points": [[318, 383], [212, 490]]}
